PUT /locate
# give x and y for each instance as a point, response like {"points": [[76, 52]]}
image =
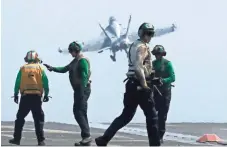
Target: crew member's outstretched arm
{"points": [[61, 69]]}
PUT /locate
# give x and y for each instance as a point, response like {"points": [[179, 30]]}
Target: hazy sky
{"points": [[197, 50]]}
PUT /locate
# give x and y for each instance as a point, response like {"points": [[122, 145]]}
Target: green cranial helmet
{"points": [[158, 50], [146, 28], [75, 46]]}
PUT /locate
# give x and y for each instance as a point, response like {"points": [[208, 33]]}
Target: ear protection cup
{"points": [[31, 55], [145, 27], [74, 46], [159, 49], [164, 53], [153, 52], [25, 59], [140, 32]]}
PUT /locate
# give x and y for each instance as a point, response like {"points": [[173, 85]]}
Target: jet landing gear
{"points": [[113, 58]]}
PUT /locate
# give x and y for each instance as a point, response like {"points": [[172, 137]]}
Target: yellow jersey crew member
{"points": [[30, 81]]}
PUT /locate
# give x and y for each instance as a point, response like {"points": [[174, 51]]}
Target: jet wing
{"points": [[94, 45], [100, 44], [63, 51], [164, 31], [103, 42], [158, 32], [89, 46]]}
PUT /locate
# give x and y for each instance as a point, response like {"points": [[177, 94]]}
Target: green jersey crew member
{"points": [[30, 81], [137, 91], [79, 74], [163, 70]]}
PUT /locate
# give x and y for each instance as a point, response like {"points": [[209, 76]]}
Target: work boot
{"points": [[14, 141], [161, 141], [84, 142], [39, 131], [19, 123], [100, 141], [77, 144], [41, 143]]}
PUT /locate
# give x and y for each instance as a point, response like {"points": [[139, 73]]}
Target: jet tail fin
{"points": [[129, 22], [105, 32]]}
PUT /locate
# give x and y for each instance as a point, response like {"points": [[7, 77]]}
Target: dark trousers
{"points": [[27, 103], [133, 98], [162, 104], [80, 106]]}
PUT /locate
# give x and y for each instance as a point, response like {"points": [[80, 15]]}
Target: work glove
{"points": [[144, 87], [46, 98], [16, 97], [157, 81], [50, 68]]}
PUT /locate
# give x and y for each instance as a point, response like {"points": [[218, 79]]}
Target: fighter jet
{"points": [[114, 39], [117, 42], [113, 29]]}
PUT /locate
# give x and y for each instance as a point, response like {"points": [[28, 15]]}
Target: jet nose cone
{"points": [[112, 18]]}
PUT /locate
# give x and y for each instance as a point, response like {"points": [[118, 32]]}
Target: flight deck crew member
{"points": [[163, 70], [79, 75], [31, 80], [137, 90]]}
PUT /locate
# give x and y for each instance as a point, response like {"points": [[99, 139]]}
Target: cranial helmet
{"points": [[75, 46], [158, 50], [146, 28], [31, 56]]}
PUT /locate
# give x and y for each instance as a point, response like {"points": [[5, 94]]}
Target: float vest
{"points": [[75, 73], [133, 51], [161, 71], [31, 79]]}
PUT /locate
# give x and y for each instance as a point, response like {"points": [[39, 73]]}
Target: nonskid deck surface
{"points": [[59, 134]]}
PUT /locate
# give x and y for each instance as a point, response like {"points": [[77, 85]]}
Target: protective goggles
{"points": [[149, 33]]}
